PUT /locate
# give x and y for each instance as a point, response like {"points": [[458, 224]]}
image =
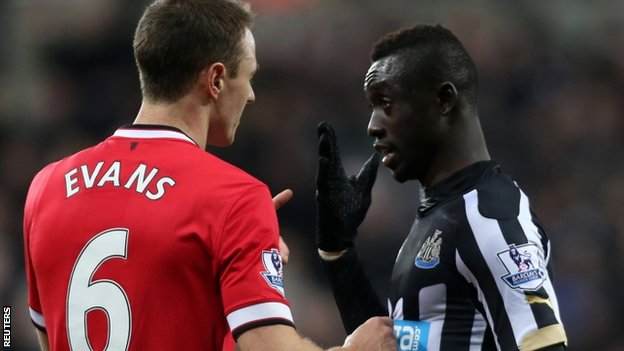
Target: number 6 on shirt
{"points": [[84, 295]]}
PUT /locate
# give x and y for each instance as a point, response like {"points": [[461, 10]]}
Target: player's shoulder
{"points": [[48, 170], [39, 181], [498, 195], [223, 179], [228, 171]]}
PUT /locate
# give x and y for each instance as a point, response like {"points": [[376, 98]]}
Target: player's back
{"points": [[124, 244]]}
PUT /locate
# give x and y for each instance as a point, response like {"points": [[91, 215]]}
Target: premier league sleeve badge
{"points": [[525, 266], [273, 269]]}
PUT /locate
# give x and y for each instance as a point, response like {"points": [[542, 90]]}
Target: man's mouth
{"points": [[390, 160], [388, 152]]}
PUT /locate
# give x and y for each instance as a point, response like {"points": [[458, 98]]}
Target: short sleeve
{"points": [[250, 266], [506, 260], [32, 200]]}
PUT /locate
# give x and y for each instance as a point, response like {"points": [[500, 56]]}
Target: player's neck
{"points": [[184, 114], [464, 147]]}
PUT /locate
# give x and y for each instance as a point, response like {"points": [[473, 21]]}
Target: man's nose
{"points": [[374, 127]]}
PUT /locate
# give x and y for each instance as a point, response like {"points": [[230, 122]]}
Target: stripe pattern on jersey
{"points": [[426, 296], [514, 315], [254, 314], [37, 318]]}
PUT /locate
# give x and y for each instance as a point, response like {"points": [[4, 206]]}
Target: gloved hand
{"points": [[342, 202]]}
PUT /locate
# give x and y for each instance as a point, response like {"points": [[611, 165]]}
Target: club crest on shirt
{"points": [[524, 265], [429, 254], [274, 269]]}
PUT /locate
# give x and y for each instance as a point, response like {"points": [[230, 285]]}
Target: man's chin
{"points": [[402, 174], [221, 140], [399, 174]]}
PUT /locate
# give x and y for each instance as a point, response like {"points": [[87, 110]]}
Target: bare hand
{"points": [[280, 200], [376, 334]]}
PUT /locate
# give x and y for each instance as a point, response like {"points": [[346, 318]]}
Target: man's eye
{"points": [[383, 103], [386, 105]]}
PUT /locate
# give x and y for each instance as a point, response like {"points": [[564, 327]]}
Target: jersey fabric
{"points": [[474, 272], [147, 242]]}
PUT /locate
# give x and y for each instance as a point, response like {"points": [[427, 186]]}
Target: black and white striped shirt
{"points": [[474, 272]]}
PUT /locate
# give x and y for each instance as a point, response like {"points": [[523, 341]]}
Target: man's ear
{"points": [[447, 97], [211, 79]]}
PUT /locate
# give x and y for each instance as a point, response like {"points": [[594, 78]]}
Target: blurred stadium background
{"points": [[551, 80]]}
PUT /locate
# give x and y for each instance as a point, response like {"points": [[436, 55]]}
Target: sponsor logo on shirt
{"points": [[429, 254], [525, 266], [274, 269], [411, 335]]}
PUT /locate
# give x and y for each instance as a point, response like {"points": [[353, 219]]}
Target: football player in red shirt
{"points": [[147, 242]]}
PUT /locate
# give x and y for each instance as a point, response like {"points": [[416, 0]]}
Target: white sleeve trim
{"points": [[258, 312], [37, 318]]}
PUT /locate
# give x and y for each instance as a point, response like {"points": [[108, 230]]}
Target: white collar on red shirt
{"points": [[145, 131]]}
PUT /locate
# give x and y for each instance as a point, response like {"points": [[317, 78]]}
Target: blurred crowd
{"points": [[551, 77]]}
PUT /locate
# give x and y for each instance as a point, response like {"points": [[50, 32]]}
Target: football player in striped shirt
{"points": [[474, 272]]}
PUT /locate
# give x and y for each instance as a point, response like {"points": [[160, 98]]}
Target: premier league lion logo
{"points": [[522, 260], [277, 262], [273, 269], [525, 266]]}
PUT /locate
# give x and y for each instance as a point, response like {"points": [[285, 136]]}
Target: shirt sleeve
{"points": [[251, 269], [32, 200], [355, 297], [506, 259]]}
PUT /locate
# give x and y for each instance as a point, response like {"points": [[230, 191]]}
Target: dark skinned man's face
{"points": [[405, 119]]}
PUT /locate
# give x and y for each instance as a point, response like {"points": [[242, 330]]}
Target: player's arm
{"points": [[32, 201], [251, 283], [43, 340], [342, 203], [504, 255], [375, 335], [355, 297]]}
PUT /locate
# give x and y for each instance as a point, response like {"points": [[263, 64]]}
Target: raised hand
{"points": [[342, 202], [280, 200]]}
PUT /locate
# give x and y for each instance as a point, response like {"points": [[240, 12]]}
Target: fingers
{"points": [[282, 198], [386, 329], [381, 321], [283, 250], [329, 157], [375, 334], [327, 140], [322, 174], [368, 173], [328, 147]]}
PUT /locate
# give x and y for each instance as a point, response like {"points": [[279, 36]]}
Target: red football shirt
{"points": [[147, 242]]}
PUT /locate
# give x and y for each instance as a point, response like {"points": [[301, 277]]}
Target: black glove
{"points": [[342, 202]]}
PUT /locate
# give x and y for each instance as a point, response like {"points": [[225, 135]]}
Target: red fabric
{"points": [[193, 254]]}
